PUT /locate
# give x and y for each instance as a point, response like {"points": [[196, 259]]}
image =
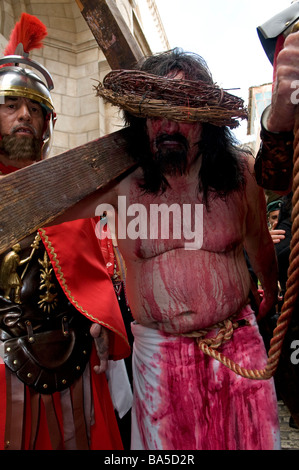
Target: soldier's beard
{"points": [[21, 148]]}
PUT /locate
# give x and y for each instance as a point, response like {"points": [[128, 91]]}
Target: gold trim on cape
{"points": [[68, 292]]}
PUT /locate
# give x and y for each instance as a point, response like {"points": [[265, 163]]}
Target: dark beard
{"points": [[165, 162], [21, 148]]}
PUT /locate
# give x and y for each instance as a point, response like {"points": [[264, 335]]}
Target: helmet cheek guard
{"points": [[50, 120], [19, 81]]}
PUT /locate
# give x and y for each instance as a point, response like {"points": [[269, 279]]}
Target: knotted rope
{"points": [[210, 345]]}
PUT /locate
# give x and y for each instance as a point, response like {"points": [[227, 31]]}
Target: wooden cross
{"points": [[34, 196]]}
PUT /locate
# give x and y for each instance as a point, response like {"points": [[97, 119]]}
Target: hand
{"points": [[277, 235], [101, 339], [286, 89], [261, 294], [268, 302]]}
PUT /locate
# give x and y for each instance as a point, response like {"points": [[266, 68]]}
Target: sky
{"points": [[224, 33]]}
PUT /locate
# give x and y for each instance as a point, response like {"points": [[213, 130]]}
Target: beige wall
{"points": [[75, 62]]}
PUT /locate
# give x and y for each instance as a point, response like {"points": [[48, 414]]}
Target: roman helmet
{"points": [[22, 76]]}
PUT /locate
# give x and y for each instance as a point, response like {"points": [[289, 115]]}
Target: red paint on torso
{"points": [[175, 289]]}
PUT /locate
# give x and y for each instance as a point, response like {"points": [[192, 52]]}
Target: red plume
{"points": [[29, 31]]}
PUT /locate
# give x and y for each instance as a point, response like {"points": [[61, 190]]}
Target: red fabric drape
{"points": [[3, 403], [5, 170], [80, 268]]}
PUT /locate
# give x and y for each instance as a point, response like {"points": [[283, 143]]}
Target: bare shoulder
{"points": [[132, 180], [249, 160], [254, 194]]}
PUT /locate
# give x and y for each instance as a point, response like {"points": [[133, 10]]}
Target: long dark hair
{"points": [[222, 166]]}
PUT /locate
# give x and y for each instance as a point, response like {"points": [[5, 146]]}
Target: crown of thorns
{"points": [[146, 95]]}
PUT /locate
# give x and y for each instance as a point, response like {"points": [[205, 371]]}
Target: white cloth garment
{"points": [[119, 387]]}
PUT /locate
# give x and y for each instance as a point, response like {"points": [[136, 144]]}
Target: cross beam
{"points": [[36, 195], [111, 32]]}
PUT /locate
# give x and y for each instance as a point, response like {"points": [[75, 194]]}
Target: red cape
{"points": [[79, 266], [76, 256]]}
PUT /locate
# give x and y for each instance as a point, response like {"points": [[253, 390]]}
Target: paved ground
{"points": [[289, 436]]}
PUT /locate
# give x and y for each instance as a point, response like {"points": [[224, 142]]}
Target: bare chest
{"points": [[149, 225]]}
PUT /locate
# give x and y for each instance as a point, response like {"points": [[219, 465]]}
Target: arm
{"points": [[274, 162], [101, 339], [258, 243], [87, 207], [281, 117]]}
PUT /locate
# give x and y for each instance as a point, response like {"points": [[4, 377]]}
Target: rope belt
{"points": [[225, 333], [209, 346]]}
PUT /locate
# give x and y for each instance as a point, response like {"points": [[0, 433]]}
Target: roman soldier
{"points": [[60, 320]]}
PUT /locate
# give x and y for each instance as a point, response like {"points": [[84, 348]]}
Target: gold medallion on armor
{"points": [[11, 279]]}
